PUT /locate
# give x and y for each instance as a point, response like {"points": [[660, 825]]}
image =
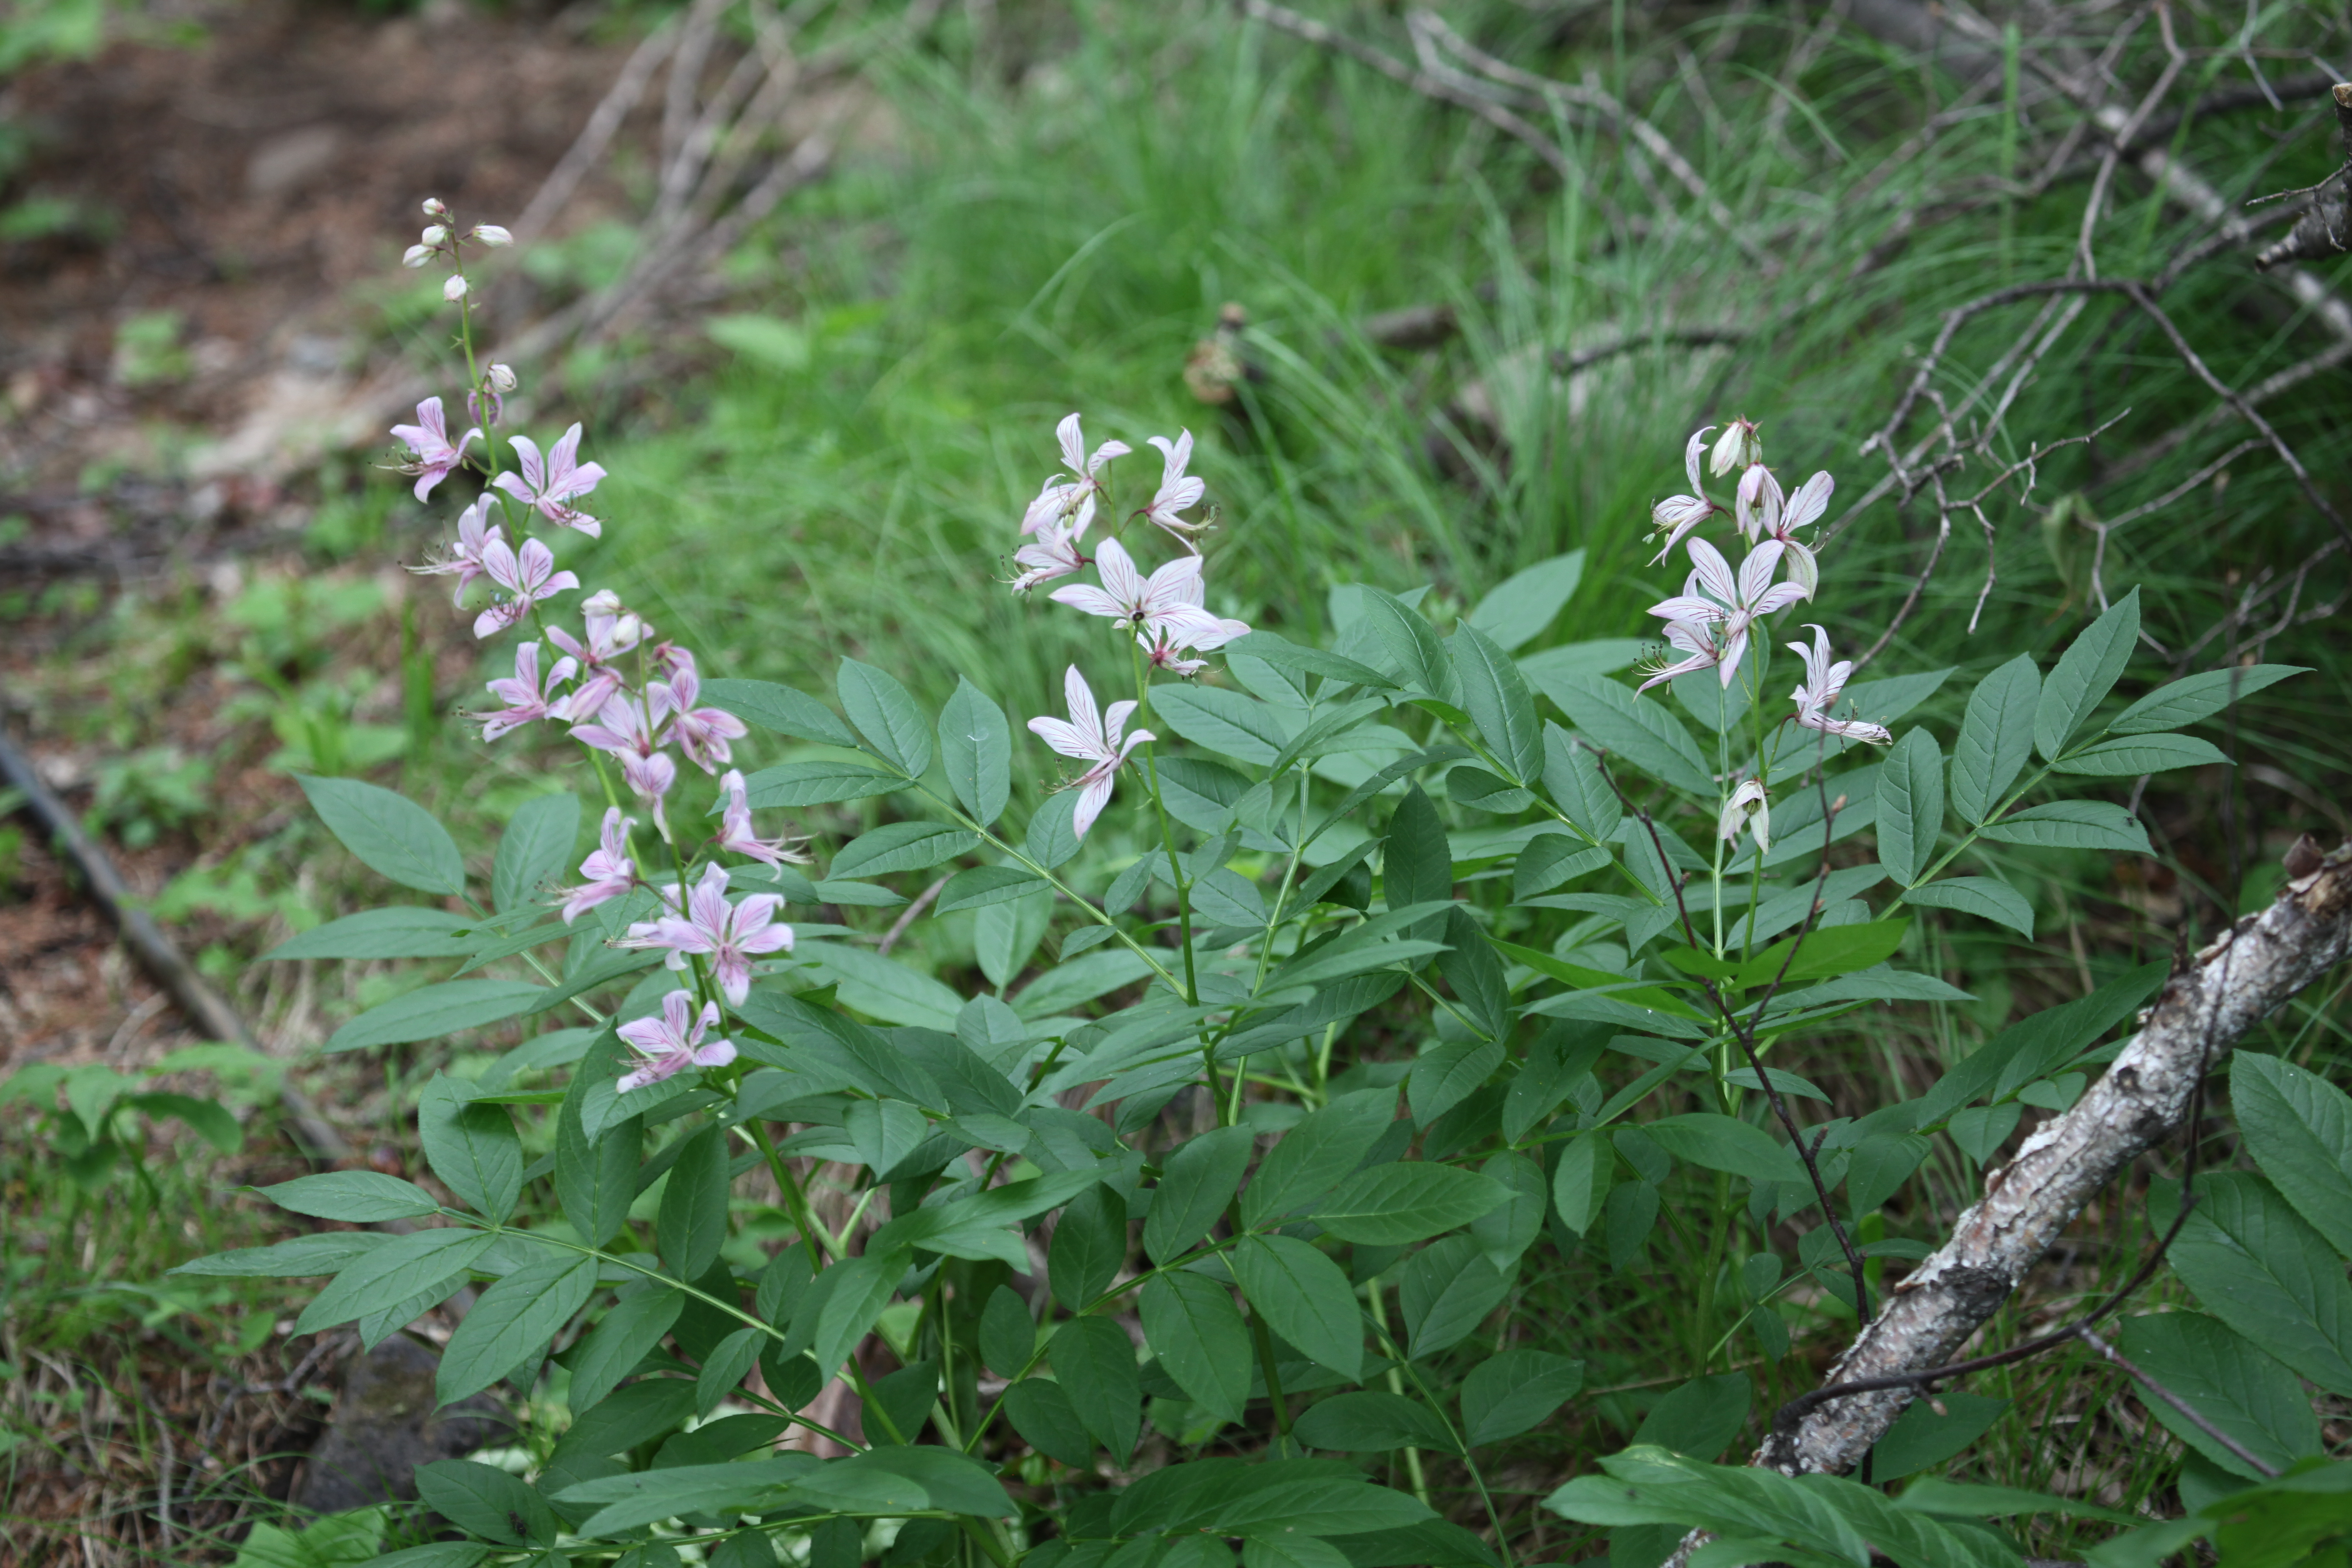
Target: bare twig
{"points": [[910, 915]]}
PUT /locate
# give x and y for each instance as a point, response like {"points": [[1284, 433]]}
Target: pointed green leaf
{"points": [[1390, 1206], [516, 1318], [433, 1011], [2298, 1128], [894, 727], [693, 1221], [1192, 1324], [779, 709], [2196, 697], [1095, 1361], [535, 848], [977, 746], [1198, 1184], [2086, 672], [2130, 756], [2073, 825], [1523, 605], [1305, 1297], [1498, 703], [1910, 806], [1996, 739], [1372, 1423], [1981, 896], [392, 836], [473, 1148], [388, 1275], [1508, 1394], [611, 1350], [818, 783], [357, 1197]]}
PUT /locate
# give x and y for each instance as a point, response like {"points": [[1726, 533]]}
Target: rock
{"points": [[385, 1426]]}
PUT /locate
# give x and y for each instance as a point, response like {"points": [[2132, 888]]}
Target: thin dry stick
{"points": [[627, 89], [910, 915]]}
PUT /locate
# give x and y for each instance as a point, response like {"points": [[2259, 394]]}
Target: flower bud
{"points": [[1736, 447], [436, 235], [455, 288], [502, 378], [603, 602], [492, 235], [434, 208], [416, 256]]}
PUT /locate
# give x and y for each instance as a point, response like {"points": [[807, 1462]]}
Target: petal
{"points": [[1080, 698], [1074, 445], [1713, 572], [1691, 455], [1756, 572], [1093, 793], [1065, 738], [1093, 601], [717, 1054], [1119, 578]]}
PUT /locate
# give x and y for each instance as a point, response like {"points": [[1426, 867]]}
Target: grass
{"points": [[1062, 242]]}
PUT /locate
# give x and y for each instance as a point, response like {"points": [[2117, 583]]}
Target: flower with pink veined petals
{"points": [[550, 483], [528, 575], [735, 827], [1162, 653], [1093, 737], [625, 726], [1735, 602], [1697, 642], [526, 696], [702, 733], [670, 1044], [431, 457], [730, 935], [1749, 809], [1677, 515], [609, 869], [1756, 505], [1818, 693], [611, 632], [651, 778], [1806, 508], [1177, 490], [1062, 498], [1088, 466], [1054, 552], [1739, 446], [475, 533], [1169, 600]]}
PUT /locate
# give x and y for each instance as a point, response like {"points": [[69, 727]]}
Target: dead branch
{"points": [[2328, 216]]}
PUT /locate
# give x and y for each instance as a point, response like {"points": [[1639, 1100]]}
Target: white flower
{"points": [[1093, 737], [436, 236], [455, 288], [1169, 600], [1677, 515], [492, 235], [1736, 447], [1818, 693], [1736, 604], [502, 378], [1747, 799], [417, 256], [435, 208]]}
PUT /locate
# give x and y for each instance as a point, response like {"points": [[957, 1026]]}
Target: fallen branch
{"points": [[156, 951]]}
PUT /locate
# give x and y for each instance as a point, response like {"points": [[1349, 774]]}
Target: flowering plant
{"points": [[1321, 1249]]}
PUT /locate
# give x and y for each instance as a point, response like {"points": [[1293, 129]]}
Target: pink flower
{"points": [[1803, 509], [702, 733], [1165, 654], [1169, 600], [731, 936], [1677, 515], [1091, 737], [1736, 447], [1748, 809], [735, 827], [650, 778], [550, 484], [475, 533], [525, 695], [1756, 505], [1062, 498], [1176, 490], [611, 632], [1693, 640], [1736, 604], [609, 870], [625, 726], [528, 576], [672, 1043], [1819, 691], [431, 457], [1055, 551]]}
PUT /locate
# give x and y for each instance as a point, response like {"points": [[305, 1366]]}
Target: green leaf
{"points": [[818, 783], [1573, 778], [1920, 1439], [325, 1253], [1719, 1142], [1881, 1164], [390, 835], [903, 846], [358, 1197], [779, 709], [2039, 1045], [401, 931], [1910, 806], [2130, 756], [1304, 1297], [1447, 1290], [724, 1369], [1008, 1334], [1198, 1184], [2195, 697], [1700, 1417], [1288, 655], [1417, 864], [2255, 1265], [1996, 739], [1042, 1412], [977, 746], [1551, 858], [2086, 672], [648, 1496], [1088, 1249], [389, 1274], [693, 1219], [1506, 1231], [894, 727], [1411, 645], [849, 1309], [1980, 896], [1581, 1179], [595, 1179], [1498, 703], [534, 849], [473, 1148], [1448, 1072], [1052, 840], [1224, 722], [1508, 1394], [611, 1350], [515, 1319], [1389, 1205], [1475, 974], [2230, 1383], [1641, 732], [983, 885], [1368, 1422], [208, 1118], [1095, 1361], [2298, 1128], [1823, 952], [433, 1011], [1526, 603], [1078, 981], [884, 1132], [1190, 1322], [1313, 1156], [2073, 825], [485, 1501]]}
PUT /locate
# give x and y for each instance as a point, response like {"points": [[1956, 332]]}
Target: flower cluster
{"points": [[1167, 612], [617, 689]]}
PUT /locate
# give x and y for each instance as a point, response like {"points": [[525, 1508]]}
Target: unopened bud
{"points": [[454, 289], [502, 378], [434, 208], [436, 235], [603, 602], [491, 234], [1736, 447], [417, 255]]}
